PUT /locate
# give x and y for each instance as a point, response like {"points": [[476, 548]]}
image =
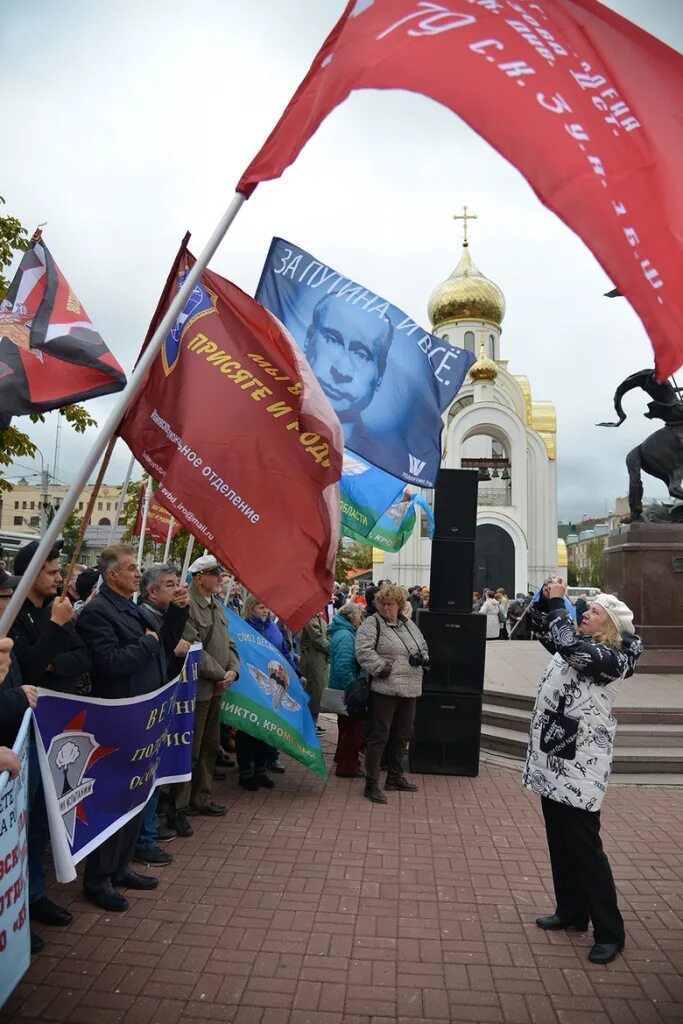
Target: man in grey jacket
{"points": [[218, 669]]}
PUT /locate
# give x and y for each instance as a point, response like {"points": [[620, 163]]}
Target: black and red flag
{"points": [[50, 353]]}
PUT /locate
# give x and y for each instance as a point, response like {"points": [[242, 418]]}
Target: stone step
{"points": [[495, 759], [629, 733], [625, 715], [632, 759]]}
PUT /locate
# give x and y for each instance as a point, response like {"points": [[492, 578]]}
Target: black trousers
{"points": [[582, 877], [252, 755], [108, 860], [391, 726]]}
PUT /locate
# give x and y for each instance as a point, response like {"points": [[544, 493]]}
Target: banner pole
{"points": [[143, 525], [188, 558], [125, 398], [169, 537], [89, 511], [122, 499]]}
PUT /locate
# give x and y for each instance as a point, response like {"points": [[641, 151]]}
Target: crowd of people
{"points": [[119, 632]]}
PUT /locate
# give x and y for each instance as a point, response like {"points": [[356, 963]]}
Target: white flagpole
{"points": [[169, 537], [188, 558], [131, 389], [122, 498], [145, 513]]}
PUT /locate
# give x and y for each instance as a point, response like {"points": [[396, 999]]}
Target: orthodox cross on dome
{"points": [[464, 217]]}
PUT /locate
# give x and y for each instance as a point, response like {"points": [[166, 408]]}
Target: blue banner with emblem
{"points": [[386, 378], [100, 760]]}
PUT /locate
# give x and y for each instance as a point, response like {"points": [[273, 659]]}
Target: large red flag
{"points": [[584, 103], [50, 353], [158, 520], [246, 448]]}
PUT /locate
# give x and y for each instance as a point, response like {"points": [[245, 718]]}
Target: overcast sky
{"points": [[128, 122]]}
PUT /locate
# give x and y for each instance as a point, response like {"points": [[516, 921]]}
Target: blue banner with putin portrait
{"points": [[386, 378], [101, 759]]}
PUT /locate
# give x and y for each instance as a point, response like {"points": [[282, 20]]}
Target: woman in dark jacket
{"points": [[570, 756], [343, 668]]}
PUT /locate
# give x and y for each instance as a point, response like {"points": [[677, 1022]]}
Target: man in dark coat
{"points": [[160, 590], [128, 661]]}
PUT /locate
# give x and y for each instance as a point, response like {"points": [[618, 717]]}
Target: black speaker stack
{"points": [[447, 732]]}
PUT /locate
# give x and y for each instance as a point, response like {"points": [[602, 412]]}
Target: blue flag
{"points": [[386, 378], [377, 508], [268, 700], [101, 759]]}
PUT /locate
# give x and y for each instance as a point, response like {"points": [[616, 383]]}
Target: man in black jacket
{"points": [[161, 590], [129, 660], [49, 654]]}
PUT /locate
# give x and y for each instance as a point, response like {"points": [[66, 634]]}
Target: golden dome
{"points": [[484, 369], [466, 295]]}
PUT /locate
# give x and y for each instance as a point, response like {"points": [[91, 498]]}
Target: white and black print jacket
{"points": [[588, 675]]}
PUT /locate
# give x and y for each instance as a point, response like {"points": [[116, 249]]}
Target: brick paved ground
{"points": [[309, 905]]}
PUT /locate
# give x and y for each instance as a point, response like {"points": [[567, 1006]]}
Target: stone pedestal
{"points": [[644, 568]]}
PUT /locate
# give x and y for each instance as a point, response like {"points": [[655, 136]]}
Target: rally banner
{"points": [[101, 759], [268, 700], [387, 380], [244, 444], [15, 936], [395, 527], [50, 353], [376, 508], [581, 101], [158, 520]]}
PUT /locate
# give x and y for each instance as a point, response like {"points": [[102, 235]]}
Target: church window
{"points": [[458, 406], [492, 347], [469, 341]]}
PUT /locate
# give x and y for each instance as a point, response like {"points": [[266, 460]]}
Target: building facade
{"points": [[22, 506], [497, 429]]}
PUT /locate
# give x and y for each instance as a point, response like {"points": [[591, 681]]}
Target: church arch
{"points": [[493, 517]]}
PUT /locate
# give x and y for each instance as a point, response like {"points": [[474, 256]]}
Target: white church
{"points": [[496, 428]]}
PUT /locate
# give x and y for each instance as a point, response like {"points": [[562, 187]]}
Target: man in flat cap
{"points": [[218, 668]]}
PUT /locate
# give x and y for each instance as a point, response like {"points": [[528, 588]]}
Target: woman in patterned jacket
{"points": [[570, 756]]}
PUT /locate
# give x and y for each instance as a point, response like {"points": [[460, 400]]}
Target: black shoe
{"points": [[262, 780], [374, 793], [275, 766], [37, 943], [107, 899], [129, 879], [211, 810], [165, 835], [605, 952], [553, 923], [152, 855], [219, 774], [249, 783], [401, 784], [47, 912], [180, 824]]}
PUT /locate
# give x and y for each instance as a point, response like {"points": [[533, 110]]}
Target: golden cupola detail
{"points": [[484, 369], [467, 294]]}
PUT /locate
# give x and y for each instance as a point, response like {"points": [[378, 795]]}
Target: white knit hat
{"points": [[620, 614]]}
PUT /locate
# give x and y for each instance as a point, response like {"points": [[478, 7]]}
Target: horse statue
{"points": [[661, 454]]}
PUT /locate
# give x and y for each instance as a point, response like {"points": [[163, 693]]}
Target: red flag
{"points": [[50, 353], [246, 447], [584, 103], [158, 520]]}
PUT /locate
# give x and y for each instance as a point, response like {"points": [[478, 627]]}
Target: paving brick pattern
{"points": [[309, 905]]}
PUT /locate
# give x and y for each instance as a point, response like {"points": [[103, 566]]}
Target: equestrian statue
{"points": [[660, 454]]}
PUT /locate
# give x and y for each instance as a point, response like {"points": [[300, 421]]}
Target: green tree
{"points": [[351, 554], [595, 562], [70, 533], [14, 443]]}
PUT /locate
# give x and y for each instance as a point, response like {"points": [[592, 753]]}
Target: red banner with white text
{"points": [[158, 520], [246, 448], [585, 104]]}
